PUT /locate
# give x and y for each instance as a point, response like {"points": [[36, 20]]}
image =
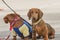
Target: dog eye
{"points": [[32, 12]]}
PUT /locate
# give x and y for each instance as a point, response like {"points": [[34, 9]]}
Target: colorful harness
{"points": [[17, 29]]}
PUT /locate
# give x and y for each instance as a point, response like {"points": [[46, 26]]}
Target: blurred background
{"points": [[50, 8]]}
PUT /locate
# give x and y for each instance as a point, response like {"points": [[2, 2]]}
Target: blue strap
{"points": [[18, 32], [28, 25]]}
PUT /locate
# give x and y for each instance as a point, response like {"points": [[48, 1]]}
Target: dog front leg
{"points": [[14, 38], [34, 34], [25, 38], [46, 37]]}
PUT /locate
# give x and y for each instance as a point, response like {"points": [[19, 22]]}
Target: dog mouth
{"points": [[34, 19]]}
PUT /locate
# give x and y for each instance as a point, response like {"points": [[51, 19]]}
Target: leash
{"points": [[16, 15], [8, 36], [11, 27], [8, 6]]}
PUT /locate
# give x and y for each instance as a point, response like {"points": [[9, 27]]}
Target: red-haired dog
{"points": [[18, 26], [41, 28]]}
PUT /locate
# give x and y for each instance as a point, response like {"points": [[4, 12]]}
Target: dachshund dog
{"points": [[18, 26], [41, 28]]}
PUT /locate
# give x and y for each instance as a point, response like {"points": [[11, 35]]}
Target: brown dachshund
{"points": [[41, 28], [18, 25], [17, 22]]}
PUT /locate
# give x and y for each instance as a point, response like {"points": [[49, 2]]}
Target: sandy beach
{"points": [[4, 34], [50, 8]]}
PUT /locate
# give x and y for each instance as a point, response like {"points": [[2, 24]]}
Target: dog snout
{"points": [[34, 16], [5, 20]]}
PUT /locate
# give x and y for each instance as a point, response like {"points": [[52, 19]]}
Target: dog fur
{"points": [[41, 28], [8, 18]]}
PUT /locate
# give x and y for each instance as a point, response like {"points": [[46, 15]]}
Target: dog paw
{"points": [[51, 37]]}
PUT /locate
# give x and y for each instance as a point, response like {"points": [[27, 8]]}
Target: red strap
{"points": [[13, 22], [10, 28]]}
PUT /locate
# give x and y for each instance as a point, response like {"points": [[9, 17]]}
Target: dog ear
{"points": [[29, 14], [40, 14], [5, 19]]}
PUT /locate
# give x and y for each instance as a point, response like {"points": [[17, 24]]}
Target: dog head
{"points": [[35, 14], [9, 17]]}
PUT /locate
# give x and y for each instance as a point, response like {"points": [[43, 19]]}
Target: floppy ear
{"points": [[40, 14], [29, 14], [5, 19]]}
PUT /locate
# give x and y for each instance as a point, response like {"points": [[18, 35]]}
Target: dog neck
{"points": [[34, 23]]}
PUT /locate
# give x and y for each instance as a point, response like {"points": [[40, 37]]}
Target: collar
{"points": [[37, 22]]}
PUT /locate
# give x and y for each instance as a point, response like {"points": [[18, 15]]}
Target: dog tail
{"points": [[8, 6]]}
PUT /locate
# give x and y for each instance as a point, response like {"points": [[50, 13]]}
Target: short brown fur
{"points": [[41, 28], [8, 18]]}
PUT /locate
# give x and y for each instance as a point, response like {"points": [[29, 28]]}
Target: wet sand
{"points": [[49, 18], [4, 34]]}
